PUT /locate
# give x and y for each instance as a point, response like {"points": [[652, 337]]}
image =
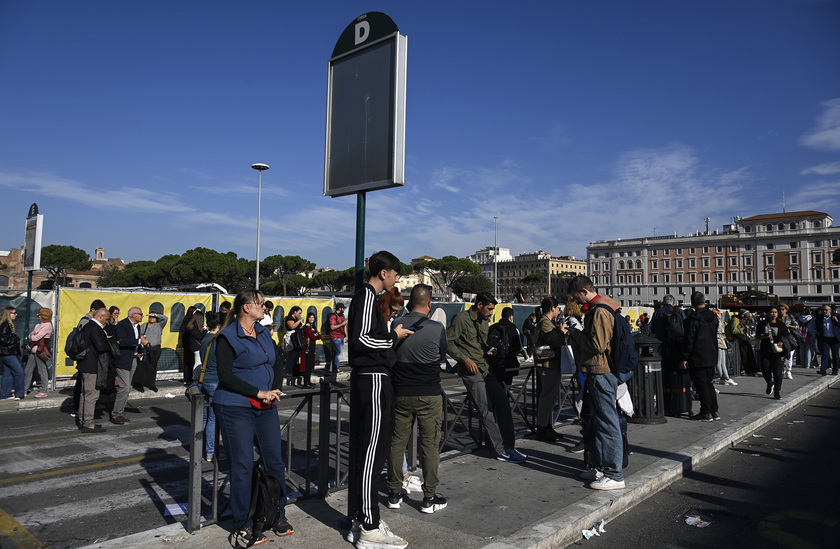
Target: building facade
{"points": [[786, 254], [514, 270]]}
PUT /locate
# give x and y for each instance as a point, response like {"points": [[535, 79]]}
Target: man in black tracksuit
{"points": [[371, 356], [699, 355]]}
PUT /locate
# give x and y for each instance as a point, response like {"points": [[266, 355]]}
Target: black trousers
{"points": [[702, 380], [772, 368], [374, 417]]}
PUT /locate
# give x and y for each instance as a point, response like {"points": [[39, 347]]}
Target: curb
{"points": [[564, 526]]}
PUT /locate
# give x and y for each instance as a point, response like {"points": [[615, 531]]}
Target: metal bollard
{"points": [[196, 448]]}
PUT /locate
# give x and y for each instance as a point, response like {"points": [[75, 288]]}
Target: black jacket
{"points": [[9, 341], [98, 349], [699, 346]]}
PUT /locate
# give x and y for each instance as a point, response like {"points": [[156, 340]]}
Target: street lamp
{"points": [[260, 168], [495, 257]]}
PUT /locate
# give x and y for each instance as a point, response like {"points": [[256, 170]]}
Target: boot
{"points": [[546, 434]]}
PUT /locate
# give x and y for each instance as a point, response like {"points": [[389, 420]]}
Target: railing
{"points": [[316, 477]]}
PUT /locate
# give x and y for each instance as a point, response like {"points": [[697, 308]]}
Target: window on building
{"points": [[794, 274], [748, 247], [747, 275], [768, 259], [818, 243], [679, 263], [666, 263], [638, 279], [733, 249], [747, 228], [819, 286], [733, 276], [769, 274], [705, 277], [654, 292], [719, 249], [817, 224], [818, 258], [638, 264], [747, 260], [654, 264], [770, 246], [679, 277], [794, 259], [794, 290], [718, 262], [793, 225], [692, 251], [594, 266], [794, 245], [620, 264], [769, 227], [818, 273], [653, 252], [692, 277], [835, 273], [679, 251], [705, 249], [719, 276], [781, 226], [733, 261], [666, 277], [692, 263], [621, 279], [834, 243], [654, 279], [595, 255], [666, 252], [705, 262]]}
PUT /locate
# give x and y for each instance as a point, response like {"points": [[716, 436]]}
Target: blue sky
{"points": [[133, 124]]}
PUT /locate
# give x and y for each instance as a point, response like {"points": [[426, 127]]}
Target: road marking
{"points": [[150, 455], [16, 533], [34, 440]]}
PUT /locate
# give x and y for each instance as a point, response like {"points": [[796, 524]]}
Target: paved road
{"points": [[776, 488]]}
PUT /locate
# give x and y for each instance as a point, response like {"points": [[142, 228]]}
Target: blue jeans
{"points": [[808, 352], [12, 373], [721, 365], [209, 389], [607, 447], [239, 426], [338, 345]]}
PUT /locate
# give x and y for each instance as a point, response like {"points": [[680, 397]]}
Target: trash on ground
{"points": [[695, 520], [596, 530], [174, 509], [170, 395], [799, 421], [758, 436], [775, 438]]}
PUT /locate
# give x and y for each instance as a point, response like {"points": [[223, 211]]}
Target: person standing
{"points": [[338, 326], [808, 331], [467, 338], [417, 392], [11, 386], [793, 328], [209, 382], [307, 355], [371, 352], [700, 354], [549, 370], [249, 386], [529, 330], [129, 338], [595, 344], [39, 339], [98, 356], [294, 321], [771, 331], [153, 330], [667, 325], [722, 346]]}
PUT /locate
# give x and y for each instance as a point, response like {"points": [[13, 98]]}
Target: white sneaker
{"points": [[353, 535], [381, 538], [412, 484], [606, 483], [788, 374], [592, 474], [728, 381]]}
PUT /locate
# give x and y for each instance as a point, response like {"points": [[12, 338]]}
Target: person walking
{"points": [[770, 332], [722, 346], [11, 386]]}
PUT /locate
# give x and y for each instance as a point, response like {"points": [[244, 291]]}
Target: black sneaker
{"points": [[716, 416], [394, 501], [245, 538], [702, 417], [283, 528], [432, 504]]}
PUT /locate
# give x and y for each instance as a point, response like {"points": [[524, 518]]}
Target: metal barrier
{"points": [[326, 461]]}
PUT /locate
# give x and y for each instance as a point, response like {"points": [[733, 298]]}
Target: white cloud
{"points": [[828, 168], [826, 134]]}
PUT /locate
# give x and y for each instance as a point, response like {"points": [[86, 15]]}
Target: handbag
{"points": [[778, 348], [544, 352], [41, 349]]}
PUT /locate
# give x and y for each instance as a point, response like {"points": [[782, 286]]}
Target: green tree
{"points": [[333, 281], [472, 284], [56, 259], [447, 270], [283, 268], [835, 257]]}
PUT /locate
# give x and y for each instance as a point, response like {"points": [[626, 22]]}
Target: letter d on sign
{"points": [[362, 31]]}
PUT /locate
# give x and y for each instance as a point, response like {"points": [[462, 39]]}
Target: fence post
{"points": [[324, 439], [196, 447]]}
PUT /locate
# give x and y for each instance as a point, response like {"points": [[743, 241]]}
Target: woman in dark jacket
{"points": [[193, 334], [307, 355], [549, 370], [293, 322], [249, 385], [10, 357], [771, 331]]}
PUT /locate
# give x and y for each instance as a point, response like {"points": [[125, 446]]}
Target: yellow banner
{"points": [[74, 304]]}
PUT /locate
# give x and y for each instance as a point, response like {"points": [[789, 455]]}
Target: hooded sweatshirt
{"points": [[700, 347]]}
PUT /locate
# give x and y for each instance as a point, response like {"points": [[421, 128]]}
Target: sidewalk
{"points": [[541, 503]]}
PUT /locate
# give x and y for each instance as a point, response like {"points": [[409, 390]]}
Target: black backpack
{"points": [[497, 337], [266, 492], [674, 325], [76, 347]]}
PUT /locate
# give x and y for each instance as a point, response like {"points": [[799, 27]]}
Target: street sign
{"points": [[32, 240], [365, 144]]}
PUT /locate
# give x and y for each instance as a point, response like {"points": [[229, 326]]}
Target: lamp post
{"points": [[260, 168], [495, 257]]}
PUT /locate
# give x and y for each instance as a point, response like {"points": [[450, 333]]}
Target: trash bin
{"points": [[646, 384]]}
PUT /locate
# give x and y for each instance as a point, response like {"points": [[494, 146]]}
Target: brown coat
{"points": [[595, 341]]}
